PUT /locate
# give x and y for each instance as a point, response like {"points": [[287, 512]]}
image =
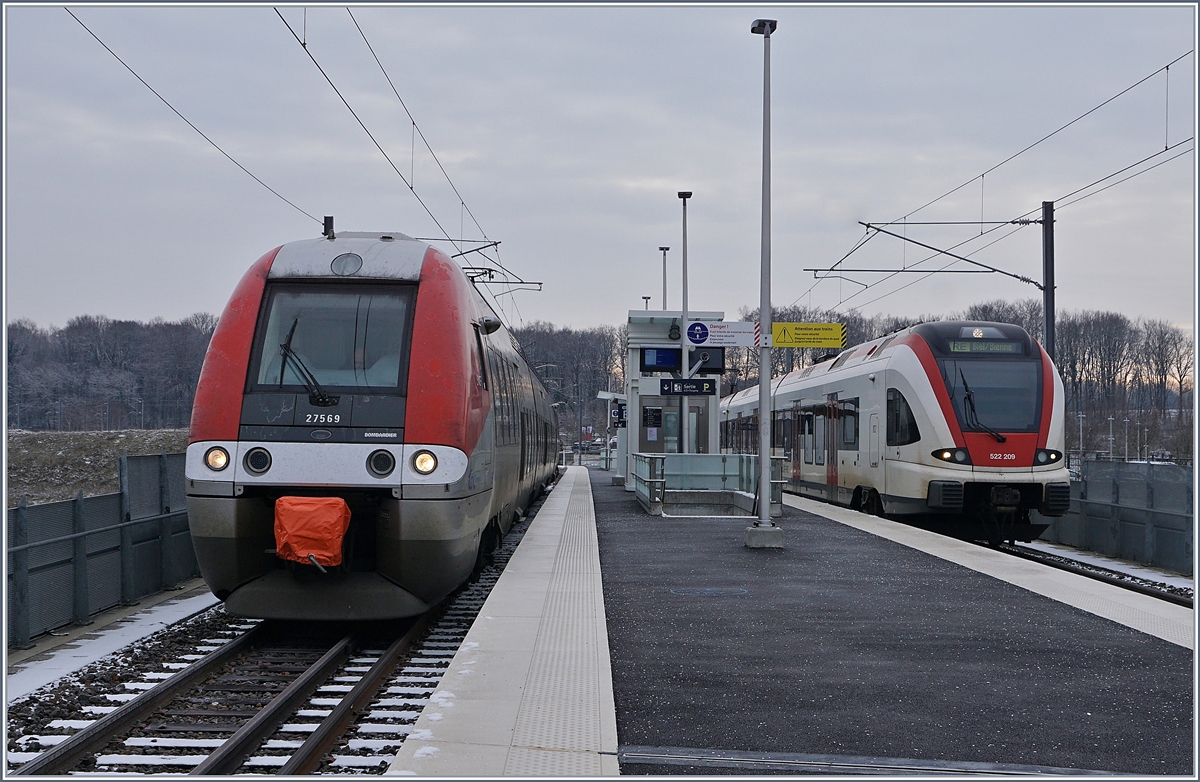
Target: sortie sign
{"points": [[694, 387]]}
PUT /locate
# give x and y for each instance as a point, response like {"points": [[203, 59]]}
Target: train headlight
{"points": [[953, 455], [1045, 456], [258, 460], [424, 462], [216, 459]]}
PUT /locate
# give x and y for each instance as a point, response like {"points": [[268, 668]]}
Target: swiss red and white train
{"points": [[955, 426], [359, 376]]}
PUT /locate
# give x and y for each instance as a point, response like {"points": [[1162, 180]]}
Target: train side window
{"points": [[849, 424], [901, 424], [482, 361]]}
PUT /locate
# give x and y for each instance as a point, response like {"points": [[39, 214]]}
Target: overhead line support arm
{"points": [[1035, 283]]}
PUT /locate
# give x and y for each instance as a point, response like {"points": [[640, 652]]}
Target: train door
{"points": [[831, 446]]}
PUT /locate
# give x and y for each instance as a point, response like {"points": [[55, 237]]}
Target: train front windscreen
{"points": [[992, 372], [1002, 395], [350, 338]]}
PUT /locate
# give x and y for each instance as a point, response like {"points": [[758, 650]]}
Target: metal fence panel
{"points": [[51, 596], [177, 496], [104, 581], [143, 486], [1136, 511], [98, 512], [153, 484]]}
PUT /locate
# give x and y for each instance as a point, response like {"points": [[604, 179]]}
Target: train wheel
{"points": [[872, 504]]}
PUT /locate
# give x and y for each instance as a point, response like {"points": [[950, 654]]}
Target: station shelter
{"points": [[661, 395]]}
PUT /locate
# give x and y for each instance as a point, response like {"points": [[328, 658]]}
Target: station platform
{"points": [[863, 646], [867, 646], [529, 692]]}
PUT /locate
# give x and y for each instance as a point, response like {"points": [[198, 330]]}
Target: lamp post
{"points": [[684, 195], [1110, 438], [664, 252], [1126, 439], [647, 300], [764, 534]]}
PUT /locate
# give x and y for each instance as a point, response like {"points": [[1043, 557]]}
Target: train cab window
{"points": [[901, 425], [848, 424], [346, 336]]}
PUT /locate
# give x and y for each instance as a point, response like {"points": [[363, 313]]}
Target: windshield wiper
{"points": [[973, 415], [316, 394]]}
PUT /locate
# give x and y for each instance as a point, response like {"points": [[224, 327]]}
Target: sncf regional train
{"points": [[364, 431], [953, 426]]}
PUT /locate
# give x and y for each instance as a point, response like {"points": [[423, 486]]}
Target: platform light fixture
{"points": [[684, 195], [764, 534]]}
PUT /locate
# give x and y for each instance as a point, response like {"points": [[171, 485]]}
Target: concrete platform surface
{"points": [[848, 651], [530, 691]]}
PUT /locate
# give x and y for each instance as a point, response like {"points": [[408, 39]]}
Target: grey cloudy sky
{"points": [[568, 132]]}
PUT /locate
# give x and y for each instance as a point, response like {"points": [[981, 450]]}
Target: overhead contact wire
{"points": [[1010, 158], [364, 127], [416, 127], [188, 121]]}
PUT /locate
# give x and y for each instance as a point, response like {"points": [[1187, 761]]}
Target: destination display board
{"points": [[661, 360], [693, 387], [808, 335], [986, 346]]}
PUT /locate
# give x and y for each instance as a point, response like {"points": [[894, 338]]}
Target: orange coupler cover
{"points": [[311, 525]]}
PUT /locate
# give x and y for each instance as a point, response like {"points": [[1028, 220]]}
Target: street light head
{"points": [[685, 194], [763, 27], [664, 249]]}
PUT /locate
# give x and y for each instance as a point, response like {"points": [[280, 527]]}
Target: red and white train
{"points": [[364, 431], [955, 426]]}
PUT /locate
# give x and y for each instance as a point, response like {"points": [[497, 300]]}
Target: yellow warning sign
{"points": [[808, 335]]}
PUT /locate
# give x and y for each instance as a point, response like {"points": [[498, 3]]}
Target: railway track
{"points": [[1171, 594], [276, 698]]}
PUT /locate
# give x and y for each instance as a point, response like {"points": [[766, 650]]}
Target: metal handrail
{"points": [[1166, 511], [97, 531]]}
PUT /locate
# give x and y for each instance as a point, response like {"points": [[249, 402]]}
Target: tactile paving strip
{"points": [[560, 709], [532, 683]]}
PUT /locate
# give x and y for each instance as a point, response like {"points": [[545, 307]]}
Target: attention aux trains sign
{"points": [[783, 335]]}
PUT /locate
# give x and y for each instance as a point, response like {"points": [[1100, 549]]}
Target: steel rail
{"points": [[306, 759], [61, 758], [1098, 575], [233, 753]]}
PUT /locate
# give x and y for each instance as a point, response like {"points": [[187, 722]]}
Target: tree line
{"points": [[97, 373], [1138, 373]]}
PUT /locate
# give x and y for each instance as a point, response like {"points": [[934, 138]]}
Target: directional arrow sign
{"points": [[808, 335]]}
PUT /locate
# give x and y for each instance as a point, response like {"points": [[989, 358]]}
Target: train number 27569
{"points": [[323, 418]]}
